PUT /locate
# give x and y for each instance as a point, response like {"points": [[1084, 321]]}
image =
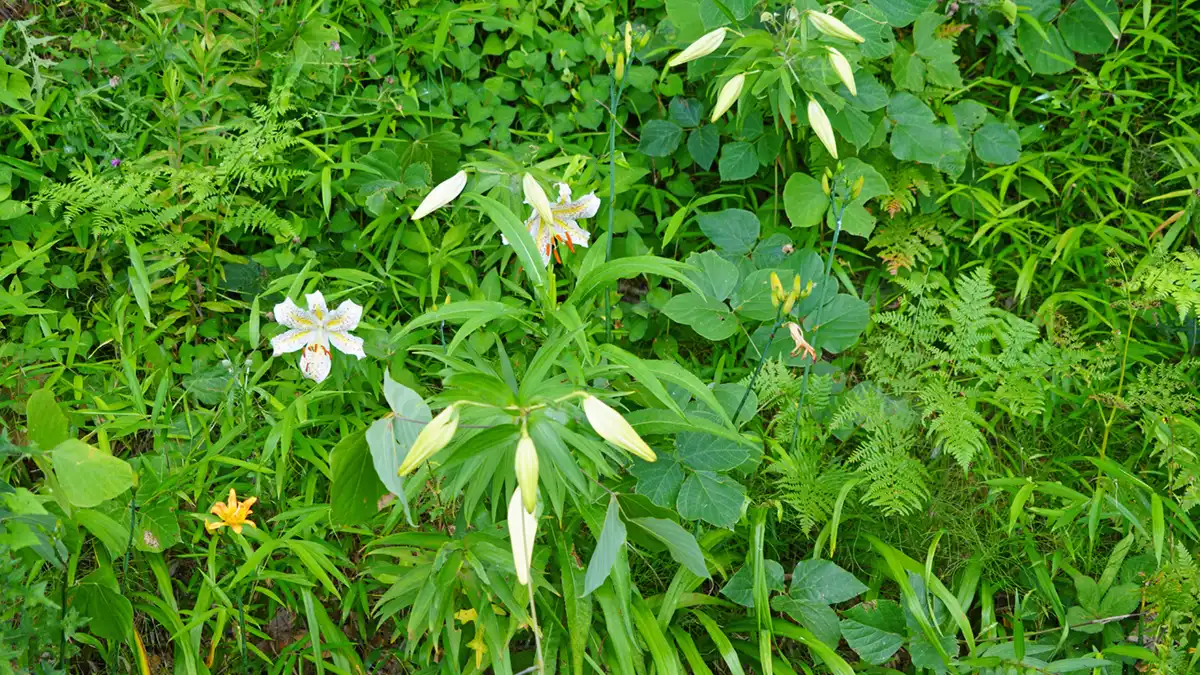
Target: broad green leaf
{"points": [[629, 268], [659, 138], [740, 587], [804, 200], [842, 321], [45, 419], [968, 116], [1046, 55], [874, 631], [1076, 665], [823, 582], [739, 161], [356, 489], [710, 318], [680, 543], [391, 437], [703, 144], [1088, 25], [707, 452], [711, 497], [97, 598], [157, 529], [608, 545], [686, 111], [660, 480], [88, 475], [997, 143], [715, 276], [925, 654], [819, 618], [900, 13], [113, 534], [732, 230], [878, 39]]}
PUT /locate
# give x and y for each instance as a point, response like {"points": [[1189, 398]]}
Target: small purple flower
{"points": [[114, 162], [335, 46], [371, 59], [114, 81], [390, 80]]}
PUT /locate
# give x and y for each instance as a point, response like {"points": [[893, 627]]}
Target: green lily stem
{"points": [[612, 195], [242, 634], [762, 358], [817, 324]]}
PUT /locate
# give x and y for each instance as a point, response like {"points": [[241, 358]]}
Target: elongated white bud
{"points": [[536, 197], [526, 465], [728, 96], [435, 436], [842, 67], [614, 429], [833, 27], [703, 46], [821, 126], [445, 192], [522, 528]]}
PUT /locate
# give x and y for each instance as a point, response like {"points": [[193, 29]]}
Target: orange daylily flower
{"points": [[232, 513]]}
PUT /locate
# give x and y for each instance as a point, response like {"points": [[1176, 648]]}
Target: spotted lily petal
{"points": [[316, 362], [288, 314], [344, 318], [317, 307], [347, 344], [291, 341]]}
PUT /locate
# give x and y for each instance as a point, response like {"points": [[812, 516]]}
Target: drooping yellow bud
{"points": [[614, 429], [825, 184], [435, 436], [703, 46], [793, 296], [608, 54], [833, 27], [526, 465], [728, 96], [777, 293], [842, 67], [821, 126]]}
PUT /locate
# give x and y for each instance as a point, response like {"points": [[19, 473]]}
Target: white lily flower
{"points": [[821, 126], [315, 330], [562, 227], [445, 192], [522, 528]]}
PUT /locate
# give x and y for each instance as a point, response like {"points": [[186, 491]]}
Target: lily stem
{"points": [[761, 360]]}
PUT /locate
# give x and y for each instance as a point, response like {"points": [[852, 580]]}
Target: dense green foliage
{"points": [[960, 436]]}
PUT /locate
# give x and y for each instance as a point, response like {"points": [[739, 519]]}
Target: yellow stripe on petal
{"points": [[290, 315], [291, 341]]}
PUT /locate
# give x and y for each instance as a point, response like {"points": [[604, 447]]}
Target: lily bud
{"points": [[614, 429], [445, 192], [435, 436], [858, 186], [842, 67], [620, 70], [777, 294], [628, 38], [536, 197], [728, 96], [825, 184], [833, 27], [608, 54], [821, 126], [703, 46], [526, 463], [522, 528]]}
